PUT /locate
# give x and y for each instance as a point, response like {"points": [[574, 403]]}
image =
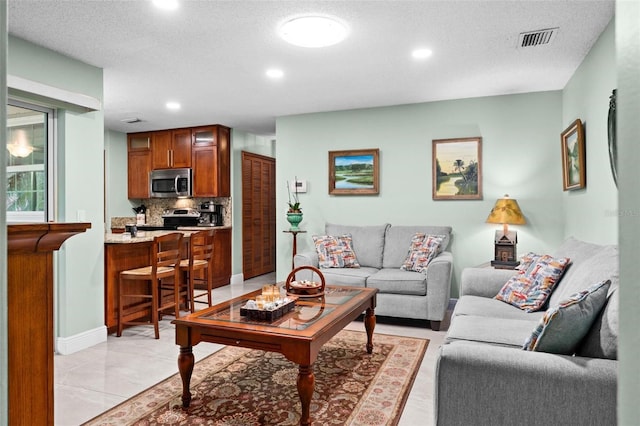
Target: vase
{"points": [[294, 219]]}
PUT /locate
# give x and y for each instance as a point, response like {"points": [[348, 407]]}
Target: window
{"points": [[29, 160]]}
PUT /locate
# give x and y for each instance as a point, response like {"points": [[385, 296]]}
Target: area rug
{"points": [[237, 386]]}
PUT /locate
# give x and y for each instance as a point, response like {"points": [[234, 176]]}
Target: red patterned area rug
{"points": [[237, 386]]}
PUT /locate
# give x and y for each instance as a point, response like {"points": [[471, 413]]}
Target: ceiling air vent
{"points": [[537, 38], [131, 120]]}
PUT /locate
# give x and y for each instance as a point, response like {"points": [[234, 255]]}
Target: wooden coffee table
{"points": [[298, 335]]}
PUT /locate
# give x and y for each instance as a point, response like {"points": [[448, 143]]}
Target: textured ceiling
{"points": [[211, 56]]}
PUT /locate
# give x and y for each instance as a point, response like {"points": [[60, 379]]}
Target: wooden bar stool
{"points": [[165, 257], [200, 259]]}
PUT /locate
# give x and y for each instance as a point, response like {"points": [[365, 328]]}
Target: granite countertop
{"points": [[201, 228], [143, 236]]}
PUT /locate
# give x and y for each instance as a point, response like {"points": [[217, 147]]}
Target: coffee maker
{"points": [[210, 214]]}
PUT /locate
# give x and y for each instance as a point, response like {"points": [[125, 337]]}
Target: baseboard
{"points": [[78, 342], [237, 279]]}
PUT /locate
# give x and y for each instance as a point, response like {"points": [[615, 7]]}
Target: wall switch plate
{"points": [[298, 186]]}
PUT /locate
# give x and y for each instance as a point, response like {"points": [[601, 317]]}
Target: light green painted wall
{"points": [[115, 149], [80, 263], [628, 107], [586, 97], [242, 141], [520, 154]]}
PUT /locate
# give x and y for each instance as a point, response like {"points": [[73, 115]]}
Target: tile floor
{"points": [[91, 381]]}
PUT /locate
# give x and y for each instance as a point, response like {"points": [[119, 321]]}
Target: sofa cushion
{"points": [[398, 239], [396, 281], [601, 265], [563, 326], [335, 251], [530, 289], [602, 339], [487, 307], [356, 277], [422, 249], [490, 330], [368, 241]]}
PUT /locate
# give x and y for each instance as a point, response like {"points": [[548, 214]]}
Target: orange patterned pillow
{"points": [[335, 252], [530, 289], [422, 250]]}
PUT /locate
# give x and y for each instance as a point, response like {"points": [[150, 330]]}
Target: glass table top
{"points": [[307, 311]]}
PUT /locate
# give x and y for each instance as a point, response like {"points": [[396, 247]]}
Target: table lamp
{"points": [[507, 212]]}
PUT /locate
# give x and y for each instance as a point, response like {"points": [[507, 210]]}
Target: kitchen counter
{"points": [[124, 252], [143, 236]]}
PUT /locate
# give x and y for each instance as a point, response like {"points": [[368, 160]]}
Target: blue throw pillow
{"points": [[563, 327]]}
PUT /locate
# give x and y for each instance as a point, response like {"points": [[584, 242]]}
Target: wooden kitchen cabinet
{"points": [[138, 164], [210, 161], [221, 257], [171, 149]]}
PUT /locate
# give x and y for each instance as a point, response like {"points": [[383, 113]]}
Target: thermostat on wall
{"points": [[298, 186]]}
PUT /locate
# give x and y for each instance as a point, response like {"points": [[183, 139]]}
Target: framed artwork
{"points": [[457, 169], [353, 172], [573, 157]]}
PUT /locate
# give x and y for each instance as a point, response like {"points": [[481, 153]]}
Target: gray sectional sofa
{"points": [[380, 251], [484, 377]]}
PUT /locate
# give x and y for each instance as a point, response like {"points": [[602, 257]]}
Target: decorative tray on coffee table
{"points": [[305, 288]]}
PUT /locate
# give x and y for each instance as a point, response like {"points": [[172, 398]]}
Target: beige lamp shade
{"points": [[506, 212]]}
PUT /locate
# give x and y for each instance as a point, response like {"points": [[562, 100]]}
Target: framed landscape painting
{"points": [[353, 172], [457, 169], [573, 163]]}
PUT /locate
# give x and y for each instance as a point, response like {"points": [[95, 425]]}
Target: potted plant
{"points": [[294, 214]]}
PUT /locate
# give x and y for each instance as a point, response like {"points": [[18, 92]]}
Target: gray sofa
{"points": [[484, 377], [380, 251]]}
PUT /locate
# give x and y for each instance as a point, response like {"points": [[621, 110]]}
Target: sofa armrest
{"points": [[484, 282], [482, 384], [309, 258], [438, 275]]}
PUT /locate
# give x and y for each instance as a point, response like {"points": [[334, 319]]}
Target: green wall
{"points": [[520, 156], [115, 151], [80, 184], [586, 97], [628, 58]]}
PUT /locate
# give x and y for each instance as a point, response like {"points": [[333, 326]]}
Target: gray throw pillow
{"points": [[562, 327]]}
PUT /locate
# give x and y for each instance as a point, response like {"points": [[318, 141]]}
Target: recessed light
{"points": [[174, 106], [274, 73], [313, 31], [421, 53], [166, 4]]}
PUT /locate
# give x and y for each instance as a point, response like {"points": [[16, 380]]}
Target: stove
{"points": [[180, 217]]}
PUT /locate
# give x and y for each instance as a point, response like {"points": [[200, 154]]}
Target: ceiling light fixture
{"points": [[166, 4], [421, 53], [313, 31], [174, 106], [274, 73], [20, 147]]}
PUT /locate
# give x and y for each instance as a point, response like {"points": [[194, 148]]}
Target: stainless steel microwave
{"points": [[171, 183]]}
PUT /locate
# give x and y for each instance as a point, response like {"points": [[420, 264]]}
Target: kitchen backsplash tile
{"points": [[156, 206]]}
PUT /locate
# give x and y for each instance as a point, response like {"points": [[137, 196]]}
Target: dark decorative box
{"points": [[268, 314]]}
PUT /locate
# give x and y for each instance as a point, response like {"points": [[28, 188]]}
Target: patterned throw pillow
{"points": [[530, 289], [422, 249], [526, 261], [563, 327], [335, 252]]}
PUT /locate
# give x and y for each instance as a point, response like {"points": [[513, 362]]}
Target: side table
{"points": [[295, 244]]}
